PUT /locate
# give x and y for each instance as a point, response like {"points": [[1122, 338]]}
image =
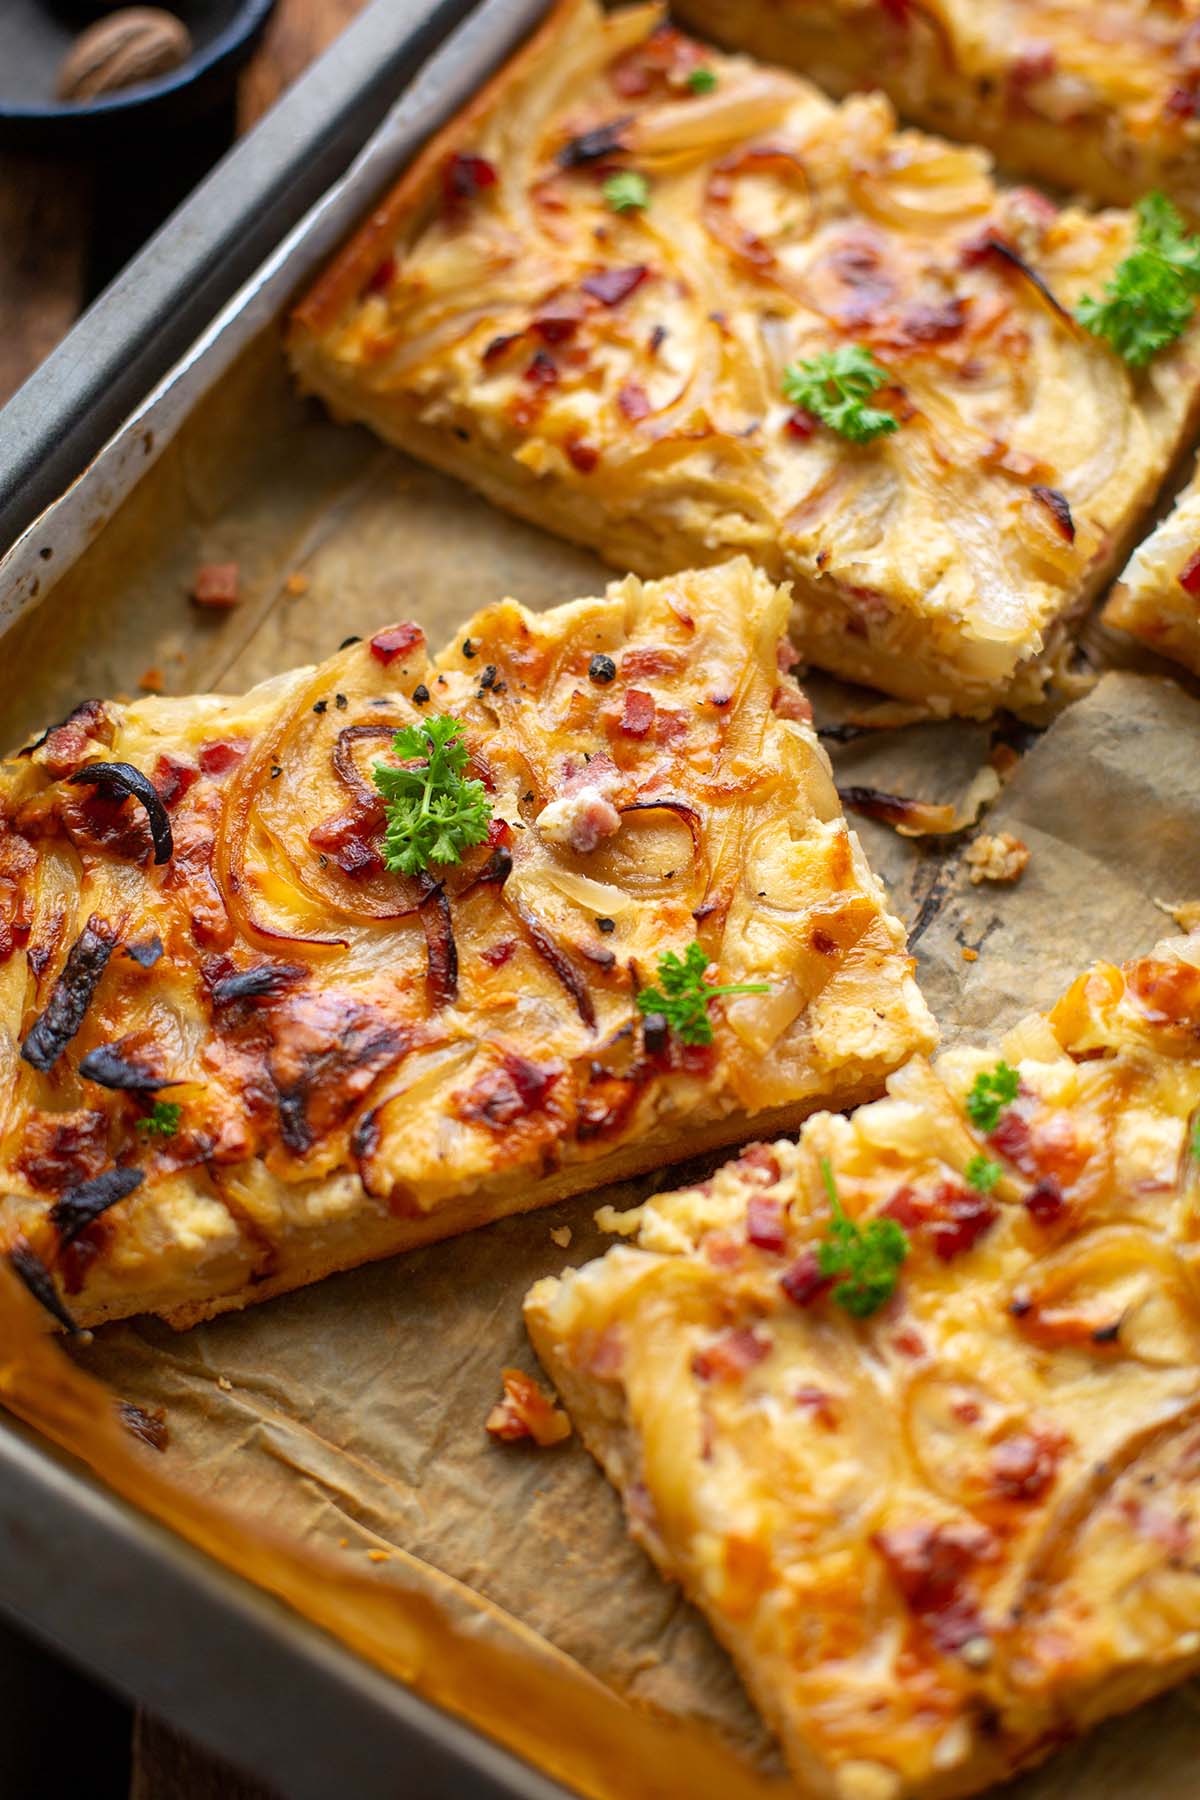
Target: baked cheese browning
{"points": [[1102, 96], [944, 1531], [268, 1056], [1158, 595], [595, 293]]}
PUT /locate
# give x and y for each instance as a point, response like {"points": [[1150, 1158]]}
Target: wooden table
{"points": [[65, 228]]}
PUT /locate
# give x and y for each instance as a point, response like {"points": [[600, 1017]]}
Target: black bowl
{"points": [[35, 35]]}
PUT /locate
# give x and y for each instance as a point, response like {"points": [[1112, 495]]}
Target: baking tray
{"points": [[79, 1569]]}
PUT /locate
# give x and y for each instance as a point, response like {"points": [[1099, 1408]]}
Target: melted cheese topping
{"points": [[1099, 95], [1158, 596], [618, 375], [358, 1055], [941, 1539]]}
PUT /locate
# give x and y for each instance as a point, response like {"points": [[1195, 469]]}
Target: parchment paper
{"points": [[349, 1418]]}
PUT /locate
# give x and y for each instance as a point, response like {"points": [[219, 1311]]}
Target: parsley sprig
{"points": [[1151, 296], [867, 1257], [992, 1091], [835, 388], [162, 1120], [983, 1174], [626, 191], [434, 812], [683, 996]]}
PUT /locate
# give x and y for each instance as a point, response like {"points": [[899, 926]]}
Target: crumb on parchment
{"points": [[526, 1412], [216, 585], [996, 856], [561, 1234]]}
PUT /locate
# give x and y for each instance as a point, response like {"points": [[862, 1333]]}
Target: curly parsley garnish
{"points": [[684, 994], [866, 1257], [1151, 296], [835, 387], [993, 1090], [434, 813], [627, 191], [983, 1174], [1194, 1140], [162, 1120], [702, 81]]}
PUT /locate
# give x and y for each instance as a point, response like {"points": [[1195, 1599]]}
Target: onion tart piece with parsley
{"points": [[911, 1408], [676, 319], [370, 955]]}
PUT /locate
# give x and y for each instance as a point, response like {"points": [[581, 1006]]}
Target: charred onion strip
{"points": [[29, 1268], [108, 1068], [494, 873], [257, 983], [995, 245], [560, 964], [595, 145], [441, 950], [81, 1205], [346, 769], [123, 779], [918, 816], [70, 996], [151, 1427]]}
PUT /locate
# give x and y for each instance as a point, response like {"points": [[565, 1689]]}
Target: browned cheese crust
{"points": [[364, 1061], [944, 1538], [1099, 96], [617, 375]]}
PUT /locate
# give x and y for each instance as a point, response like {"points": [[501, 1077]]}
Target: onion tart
{"points": [[1158, 596], [677, 306], [911, 1407], [394, 946]]}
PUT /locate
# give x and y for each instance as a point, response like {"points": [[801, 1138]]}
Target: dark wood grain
{"points": [[167, 1766]]}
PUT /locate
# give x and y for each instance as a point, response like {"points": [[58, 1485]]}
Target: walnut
{"points": [[132, 45], [996, 857]]}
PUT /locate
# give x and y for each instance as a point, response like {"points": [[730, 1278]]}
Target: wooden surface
{"points": [[64, 231]]}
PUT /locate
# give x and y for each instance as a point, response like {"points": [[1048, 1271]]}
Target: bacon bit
{"points": [[496, 955], [664, 60], [1189, 575], [555, 327], [822, 943], [541, 371], [581, 455], [63, 748], [396, 640], [899, 11], [633, 401], [152, 680], [1183, 103], [217, 759], [804, 1282], [216, 585], [383, 277], [761, 1159], [954, 1217], [1032, 63], [1045, 1203], [925, 324], [18, 859], [173, 778], [909, 1342], [465, 176], [816, 1401], [526, 1412], [511, 1091], [651, 660], [60, 1150], [611, 286], [1024, 1466], [930, 1565], [608, 1102], [731, 1355], [1056, 505], [765, 1224], [637, 715], [800, 423]]}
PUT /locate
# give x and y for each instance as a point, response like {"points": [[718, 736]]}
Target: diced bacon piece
{"points": [[1045, 1202], [526, 1412], [1189, 575], [65, 748], [804, 1282], [173, 778], [800, 424], [611, 286], [731, 1355], [217, 759], [931, 1566], [963, 1218], [383, 277], [541, 371], [581, 455], [820, 1404], [787, 702], [637, 715], [511, 1091], [1024, 1466], [396, 640], [762, 1160], [496, 955], [633, 401], [764, 1224], [464, 176], [216, 585]]}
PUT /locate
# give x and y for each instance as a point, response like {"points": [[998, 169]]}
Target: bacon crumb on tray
{"points": [[527, 1412]]}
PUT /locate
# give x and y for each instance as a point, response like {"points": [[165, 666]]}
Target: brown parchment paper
{"points": [[330, 1444]]}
